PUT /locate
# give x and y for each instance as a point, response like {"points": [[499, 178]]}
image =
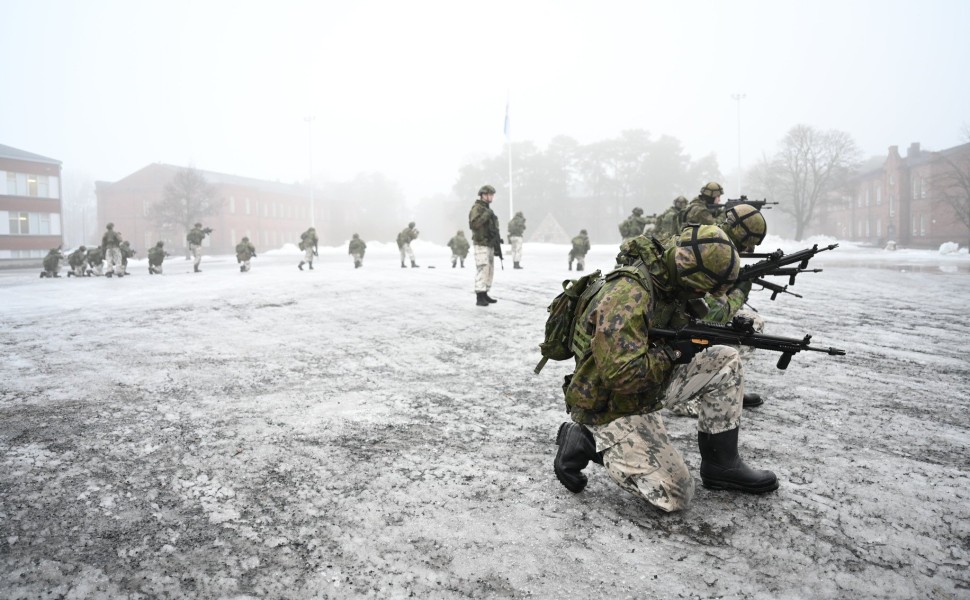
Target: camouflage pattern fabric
{"points": [[110, 239], [699, 211], [357, 246], [196, 251], [112, 259], [308, 253], [517, 225], [633, 226], [358, 258], [484, 267], [484, 224], [459, 246], [52, 261], [406, 251], [95, 258], [637, 452], [668, 224], [195, 236], [516, 242]]}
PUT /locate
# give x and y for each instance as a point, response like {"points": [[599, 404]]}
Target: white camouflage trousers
{"points": [[308, 254], [516, 242], [406, 252], [484, 267], [637, 452], [358, 259], [196, 251], [112, 261]]}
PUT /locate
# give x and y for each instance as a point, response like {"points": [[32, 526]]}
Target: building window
{"points": [[232, 205], [867, 196], [19, 223], [915, 228], [922, 188], [246, 202], [892, 204], [878, 196], [878, 228], [915, 186], [892, 179], [922, 225]]}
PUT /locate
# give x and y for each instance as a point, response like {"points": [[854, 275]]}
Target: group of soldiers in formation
{"points": [[683, 268]]}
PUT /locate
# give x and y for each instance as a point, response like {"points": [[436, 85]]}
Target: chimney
{"points": [[913, 151]]}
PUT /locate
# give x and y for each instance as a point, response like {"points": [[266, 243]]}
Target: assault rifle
{"points": [[778, 263], [759, 204], [498, 252], [740, 332]]}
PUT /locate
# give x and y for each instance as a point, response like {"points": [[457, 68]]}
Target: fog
{"points": [[414, 91]]}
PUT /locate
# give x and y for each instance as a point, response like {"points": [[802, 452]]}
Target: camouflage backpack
{"points": [[576, 294]]}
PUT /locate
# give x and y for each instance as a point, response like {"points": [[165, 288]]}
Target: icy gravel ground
{"points": [[343, 433]]}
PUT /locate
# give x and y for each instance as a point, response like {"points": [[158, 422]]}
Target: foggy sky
{"points": [[415, 90]]}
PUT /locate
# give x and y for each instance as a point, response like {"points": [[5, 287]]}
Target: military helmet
{"points": [[680, 202], [705, 259], [312, 229], [638, 211], [198, 224], [411, 224], [111, 225], [356, 236], [486, 189], [82, 248], [712, 188], [460, 232], [745, 225], [245, 239], [160, 243], [582, 231], [519, 214]]}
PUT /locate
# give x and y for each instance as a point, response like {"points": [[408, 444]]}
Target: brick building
{"points": [[30, 205], [904, 200], [269, 213]]}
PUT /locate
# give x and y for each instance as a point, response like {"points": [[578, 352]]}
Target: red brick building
{"points": [[269, 213], [30, 205], [904, 200]]}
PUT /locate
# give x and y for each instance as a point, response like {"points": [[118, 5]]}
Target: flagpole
{"points": [[508, 138]]}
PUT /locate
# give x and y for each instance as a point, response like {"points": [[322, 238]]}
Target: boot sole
{"points": [[713, 484]]}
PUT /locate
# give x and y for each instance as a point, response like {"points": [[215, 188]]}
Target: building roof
{"points": [[214, 178], [17, 154]]}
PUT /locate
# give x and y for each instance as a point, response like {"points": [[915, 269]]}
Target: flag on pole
{"points": [[508, 127]]}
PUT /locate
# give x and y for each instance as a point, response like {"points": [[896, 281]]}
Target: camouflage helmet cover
{"points": [[82, 247], [582, 231], [460, 232], [705, 259], [245, 239], [486, 189], [411, 224], [680, 201], [638, 211], [745, 225], [356, 236], [711, 189], [198, 224], [111, 225], [160, 243]]}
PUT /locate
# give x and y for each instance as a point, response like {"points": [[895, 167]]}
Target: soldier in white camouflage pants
{"points": [[484, 267], [637, 452]]}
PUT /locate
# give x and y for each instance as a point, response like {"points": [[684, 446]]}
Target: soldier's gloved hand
{"points": [[744, 287], [681, 352]]}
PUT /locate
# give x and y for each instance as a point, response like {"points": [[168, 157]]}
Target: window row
{"points": [[29, 223], [28, 184], [274, 210]]}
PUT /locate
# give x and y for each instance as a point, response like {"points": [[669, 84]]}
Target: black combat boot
{"points": [[70, 274], [197, 269], [576, 448], [110, 274], [570, 265], [311, 265], [723, 469], [300, 266], [752, 399], [453, 263], [463, 263], [515, 265], [403, 266], [489, 298], [481, 300], [414, 265], [242, 268]]}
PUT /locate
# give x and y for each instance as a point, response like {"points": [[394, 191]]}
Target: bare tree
{"points": [[809, 164], [952, 183], [186, 199]]}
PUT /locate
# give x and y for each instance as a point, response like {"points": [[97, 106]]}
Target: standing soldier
{"points": [[516, 229], [579, 250], [111, 246], [52, 263], [459, 248], [668, 224], [308, 243], [703, 208], [195, 237], [95, 257], [156, 254], [244, 252], [633, 225], [485, 237], [76, 261], [624, 377], [356, 249], [126, 253], [404, 239]]}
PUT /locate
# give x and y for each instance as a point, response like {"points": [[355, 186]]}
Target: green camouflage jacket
{"points": [[580, 245], [52, 260], [517, 226], [633, 226], [245, 251], [356, 246], [699, 211], [618, 371], [76, 258], [459, 245], [156, 255], [95, 256], [195, 236], [668, 224], [111, 239], [407, 235], [484, 224]]}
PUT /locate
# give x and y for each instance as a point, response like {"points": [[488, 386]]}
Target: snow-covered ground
{"points": [[372, 433]]}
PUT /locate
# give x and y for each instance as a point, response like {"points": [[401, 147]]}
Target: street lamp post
{"points": [[309, 122], [739, 98]]}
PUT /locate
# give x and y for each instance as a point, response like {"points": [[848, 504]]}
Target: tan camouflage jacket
{"points": [[698, 211]]}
